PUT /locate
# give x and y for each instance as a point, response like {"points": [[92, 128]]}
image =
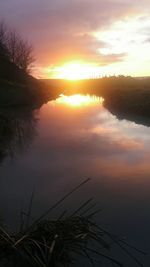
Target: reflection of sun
{"points": [[77, 71], [79, 100]]}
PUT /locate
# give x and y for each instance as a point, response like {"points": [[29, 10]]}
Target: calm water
{"points": [[52, 149]]}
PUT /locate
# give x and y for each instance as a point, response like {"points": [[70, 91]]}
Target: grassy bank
{"points": [[13, 94], [19, 88]]}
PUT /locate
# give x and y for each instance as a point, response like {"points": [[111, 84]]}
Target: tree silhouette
{"points": [[15, 48]]}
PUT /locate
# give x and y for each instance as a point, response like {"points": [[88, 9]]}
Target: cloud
{"points": [[62, 30], [147, 40]]}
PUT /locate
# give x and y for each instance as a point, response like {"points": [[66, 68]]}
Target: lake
{"points": [[54, 148]]}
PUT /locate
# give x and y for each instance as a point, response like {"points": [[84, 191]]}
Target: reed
{"points": [[65, 241]]}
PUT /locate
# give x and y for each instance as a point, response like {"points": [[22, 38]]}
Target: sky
{"points": [[89, 38]]}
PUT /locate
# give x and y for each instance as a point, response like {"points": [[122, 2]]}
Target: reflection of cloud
{"points": [[120, 140], [80, 135], [74, 144]]}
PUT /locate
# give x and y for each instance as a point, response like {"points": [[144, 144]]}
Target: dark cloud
{"points": [[147, 40], [111, 58]]}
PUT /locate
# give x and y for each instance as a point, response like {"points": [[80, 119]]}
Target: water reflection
{"points": [[77, 142], [127, 115], [79, 100], [17, 130]]}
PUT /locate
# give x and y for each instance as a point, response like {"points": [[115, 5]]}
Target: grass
{"points": [[65, 241]]}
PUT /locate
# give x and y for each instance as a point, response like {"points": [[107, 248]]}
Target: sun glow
{"points": [[77, 71], [79, 100]]}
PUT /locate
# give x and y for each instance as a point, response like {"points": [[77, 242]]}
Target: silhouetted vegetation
{"points": [[65, 241], [14, 48], [17, 87]]}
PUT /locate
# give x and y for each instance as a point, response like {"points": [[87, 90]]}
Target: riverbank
{"points": [[126, 96], [33, 94], [18, 88]]}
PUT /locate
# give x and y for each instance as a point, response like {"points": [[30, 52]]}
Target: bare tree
{"points": [[3, 40], [18, 50], [12, 45], [24, 55]]}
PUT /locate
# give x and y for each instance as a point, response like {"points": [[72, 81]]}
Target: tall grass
{"points": [[66, 241]]}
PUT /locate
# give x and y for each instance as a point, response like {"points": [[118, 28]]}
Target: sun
{"points": [[76, 71], [73, 71]]}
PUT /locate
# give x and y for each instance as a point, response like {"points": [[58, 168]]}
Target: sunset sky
{"points": [[85, 37]]}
